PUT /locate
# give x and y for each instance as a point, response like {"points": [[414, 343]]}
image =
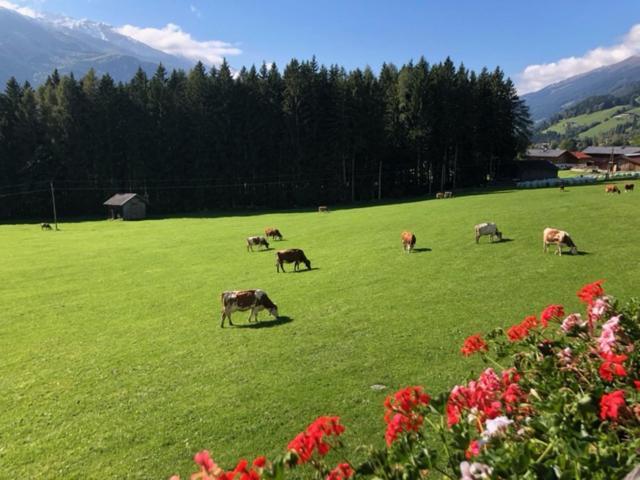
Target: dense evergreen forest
{"points": [[202, 139]]}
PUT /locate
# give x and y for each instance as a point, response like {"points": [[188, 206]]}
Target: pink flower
{"points": [[203, 459], [572, 322], [596, 310], [607, 337], [565, 356]]}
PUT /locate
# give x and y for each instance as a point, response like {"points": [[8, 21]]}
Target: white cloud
{"points": [[195, 11], [26, 11], [175, 41], [535, 77]]}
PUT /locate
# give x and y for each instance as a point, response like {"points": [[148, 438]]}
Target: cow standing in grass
{"points": [[272, 233], [628, 187], [408, 241], [243, 300], [251, 241], [553, 236], [611, 189], [488, 228], [291, 255]]}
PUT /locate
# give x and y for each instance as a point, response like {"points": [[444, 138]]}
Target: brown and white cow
{"points": [[408, 240], [487, 228], [291, 255], [243, 300], [611, 189], [553, 236], [273, 233], [440, 195], [628, 187], [251, 241]]}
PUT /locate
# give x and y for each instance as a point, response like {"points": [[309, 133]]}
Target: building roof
{"points": [[581, 155], [616, 150], [119, 199], [635, 160], [545, 152]]}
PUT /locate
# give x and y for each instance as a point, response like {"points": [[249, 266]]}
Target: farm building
{"points": [[556, 156], [605, 153], [128, 206], [627, 164], [525, 170]]}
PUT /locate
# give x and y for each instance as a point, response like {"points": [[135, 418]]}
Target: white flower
{"points": [[493, 426], [475, 471]]}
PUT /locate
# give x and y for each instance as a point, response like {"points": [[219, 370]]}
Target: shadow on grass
{"points": [[275, 322], [303, 270], [421, 250], [505, 240]]}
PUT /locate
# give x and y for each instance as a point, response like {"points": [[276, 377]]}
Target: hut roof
{"points": [[119, 199]]}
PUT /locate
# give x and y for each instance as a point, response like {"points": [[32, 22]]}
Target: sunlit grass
{"points": [[114, 364]]}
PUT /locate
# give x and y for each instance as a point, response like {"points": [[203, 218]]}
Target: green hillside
{"points": [[585, 120], [114, 364]]}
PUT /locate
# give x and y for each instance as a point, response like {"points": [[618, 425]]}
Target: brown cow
{"points": [[408, 240], [251, 241], [291, 255], [273, 233], [628, 187], [553, 236], [611, 189], [243, 300], [323, 208], [440, 195], [45, 226]]}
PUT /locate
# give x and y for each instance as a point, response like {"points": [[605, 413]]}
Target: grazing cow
{"points": [[553, 236], [273, 233], [251, 241], [628, 187], [562, 187], [611, 189], [440, 195], [488, 228], [448, 194], [323, 208], [291, 255], [45, 226], [243, 300], [408, 241]]}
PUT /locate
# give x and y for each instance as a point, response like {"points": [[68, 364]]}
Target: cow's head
{"points": [[499, 235], [274, 311], [307, 263], [264, 242]]}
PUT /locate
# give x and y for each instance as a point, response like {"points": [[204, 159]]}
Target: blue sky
{"points": [[513, 34]]}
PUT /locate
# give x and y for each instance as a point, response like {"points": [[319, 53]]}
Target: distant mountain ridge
{"points": [[614, 79], [31, 48]]}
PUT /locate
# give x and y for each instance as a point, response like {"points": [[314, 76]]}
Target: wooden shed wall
{"points": [[134, 209]]}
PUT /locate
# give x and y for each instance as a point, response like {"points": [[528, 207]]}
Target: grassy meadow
{"points": [[114, 364]]}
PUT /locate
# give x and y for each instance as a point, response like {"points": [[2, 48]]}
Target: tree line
{"points": [[211, 139]]}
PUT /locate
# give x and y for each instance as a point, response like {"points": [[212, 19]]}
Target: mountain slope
{"points": [[612, 79], [30, 49]]}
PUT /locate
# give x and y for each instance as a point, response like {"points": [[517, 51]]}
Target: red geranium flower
{"points": [[590, 292], [400, 411], [610, 405], [551, 312], [313, 438], [260, 461], [203, 459], [636, 383], [517, 332], [473, 344], [473, 450], [341, 472], [611, 366]]}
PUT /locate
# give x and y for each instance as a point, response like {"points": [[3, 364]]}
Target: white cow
{"points": [[487, 228], [553, 236]]}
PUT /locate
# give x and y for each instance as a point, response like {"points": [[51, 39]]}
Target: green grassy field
{"points": [[586, 119], [114, 364]]}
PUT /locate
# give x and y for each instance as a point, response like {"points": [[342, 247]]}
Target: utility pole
{"points": [[53, 202]]}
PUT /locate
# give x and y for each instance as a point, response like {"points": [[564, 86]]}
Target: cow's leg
{"points": [[545, 246], [223, 317], [559, 250], [251, 313], [477, 238]]}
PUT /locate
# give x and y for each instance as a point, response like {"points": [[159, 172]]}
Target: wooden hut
{"points": [[128, 206]]}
